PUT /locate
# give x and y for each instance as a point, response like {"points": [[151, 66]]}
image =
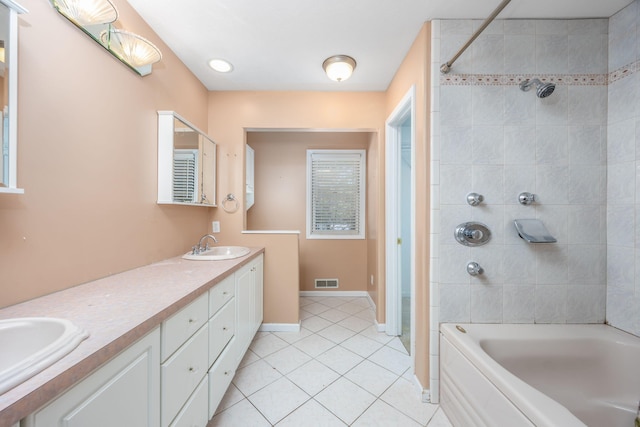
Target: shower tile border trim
{"points": [[560, 79]]}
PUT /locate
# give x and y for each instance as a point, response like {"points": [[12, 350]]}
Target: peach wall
{"points": [[415, 71], [87, 159], [280, 203], [232, 114]]}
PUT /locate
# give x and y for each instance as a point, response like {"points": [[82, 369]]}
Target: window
{"points": [[335, 194], [185, 175]]}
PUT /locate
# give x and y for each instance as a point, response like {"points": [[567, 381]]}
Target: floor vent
{"points": [[326, 283]]}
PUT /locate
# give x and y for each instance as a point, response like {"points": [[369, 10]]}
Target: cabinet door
{"points": [[245, 309], [125, 392], [258, 272]]}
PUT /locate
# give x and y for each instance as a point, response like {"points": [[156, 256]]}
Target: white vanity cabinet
{"points": [[125, 392]]}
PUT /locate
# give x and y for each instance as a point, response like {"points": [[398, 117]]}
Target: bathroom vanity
{"points": [[165, 341]]}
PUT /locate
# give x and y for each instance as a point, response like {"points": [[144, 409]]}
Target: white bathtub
{"points": [[539, 375]]}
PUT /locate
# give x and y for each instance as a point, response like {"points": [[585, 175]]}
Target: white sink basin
{"points": [[218, 253], [31, 344]]}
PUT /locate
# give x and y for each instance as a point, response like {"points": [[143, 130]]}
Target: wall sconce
{"points": [[339, 67], [87, 12], [96, 18]]}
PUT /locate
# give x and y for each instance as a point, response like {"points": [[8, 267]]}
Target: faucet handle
{"points": [[195, 250]]}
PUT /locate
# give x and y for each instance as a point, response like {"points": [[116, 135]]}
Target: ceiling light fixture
{"points": [[220, 65], [339, 67]]}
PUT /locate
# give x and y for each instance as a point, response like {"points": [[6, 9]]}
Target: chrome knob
{"points": [[474, 199], [526, 198], [474, 269], [473, 234]]}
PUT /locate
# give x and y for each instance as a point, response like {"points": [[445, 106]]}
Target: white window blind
{"points": [[185, 175], [335, 194]]}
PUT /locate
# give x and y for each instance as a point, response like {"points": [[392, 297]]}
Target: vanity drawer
{"points": [[220, 376], [220, 294], [196, 409], [179, 327], [222, 327], [182, 373]]}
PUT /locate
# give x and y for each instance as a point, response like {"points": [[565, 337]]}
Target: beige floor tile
{"points": [[345, 400], [361, 345], [267, 345], [339, 359], [315, 323], [406, 398], [355, 323], [242, 414], [371, 377], [313, 377], [334, 315], [391, 359], [336, 333], [316, 308], [287, 359], [292, 337], [254, 377], [230, 398], [311, 414], [381, 414], [314, 345], [439, 419], [278, 399]]}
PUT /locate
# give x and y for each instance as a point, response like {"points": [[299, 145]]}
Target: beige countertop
{"points": [[116, 311]]}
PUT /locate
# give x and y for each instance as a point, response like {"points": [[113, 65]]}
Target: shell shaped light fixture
{"points": [[339, 67], [87, 12], [132, 48]]}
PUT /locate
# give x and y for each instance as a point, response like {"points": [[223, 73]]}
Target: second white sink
{"points": [[218, 253], [31, 344]]}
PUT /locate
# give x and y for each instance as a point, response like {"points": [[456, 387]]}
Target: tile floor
{"points": [[338, 370]]}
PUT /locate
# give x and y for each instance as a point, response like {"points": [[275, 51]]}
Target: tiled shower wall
{"points": [[492, 138], [623, 172]]}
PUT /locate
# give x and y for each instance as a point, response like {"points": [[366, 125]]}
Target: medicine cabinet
{"points": [[9, 11], [186, 163]]}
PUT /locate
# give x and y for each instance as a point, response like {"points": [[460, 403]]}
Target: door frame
{"points": [[393, 323]]}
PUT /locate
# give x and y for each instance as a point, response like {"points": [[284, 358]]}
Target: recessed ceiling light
{"points": [[220, 65]]}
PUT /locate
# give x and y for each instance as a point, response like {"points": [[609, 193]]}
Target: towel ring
{"points": [[226, 203]]}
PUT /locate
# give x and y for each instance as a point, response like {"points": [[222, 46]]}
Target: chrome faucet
{"points": [[199, 248]]}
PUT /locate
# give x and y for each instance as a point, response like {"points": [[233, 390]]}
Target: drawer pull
{"points": [[192, 320], [225, 293], [224, 328], [192, 369]]}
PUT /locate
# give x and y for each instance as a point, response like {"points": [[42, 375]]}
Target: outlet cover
{"points": [[215, 226]]}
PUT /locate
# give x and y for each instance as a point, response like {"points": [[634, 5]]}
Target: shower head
{"points": [[542, 89]]}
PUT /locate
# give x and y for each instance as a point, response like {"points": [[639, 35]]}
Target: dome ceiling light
{"points": [[339, 67]]}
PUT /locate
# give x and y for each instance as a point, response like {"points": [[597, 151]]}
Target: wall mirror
{"points": [[96, 18], [186, 163], [9, 11]]}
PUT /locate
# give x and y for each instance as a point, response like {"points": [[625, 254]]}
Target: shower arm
{"points": [[446, 67]]}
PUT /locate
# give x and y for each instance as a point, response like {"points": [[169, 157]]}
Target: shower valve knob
{"points": [[474, 199], [526, 198], [474, 269]]}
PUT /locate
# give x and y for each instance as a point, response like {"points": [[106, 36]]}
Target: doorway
{"points": [[400, 222]]}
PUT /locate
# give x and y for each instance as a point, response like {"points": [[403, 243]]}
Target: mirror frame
{"points": [[166, 130], [14, 10]]}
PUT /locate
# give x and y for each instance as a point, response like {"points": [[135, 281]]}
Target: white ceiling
{"points": [[281, 44]]}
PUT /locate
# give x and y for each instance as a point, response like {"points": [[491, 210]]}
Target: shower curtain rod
{"points": [[444, 69]]}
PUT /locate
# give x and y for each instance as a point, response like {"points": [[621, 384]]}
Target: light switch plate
{"points": [[215, 226]]}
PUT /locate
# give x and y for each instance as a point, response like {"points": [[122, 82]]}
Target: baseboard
{"points": [[280, 327], [382, 327], [425, 392], [334, 294]]}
